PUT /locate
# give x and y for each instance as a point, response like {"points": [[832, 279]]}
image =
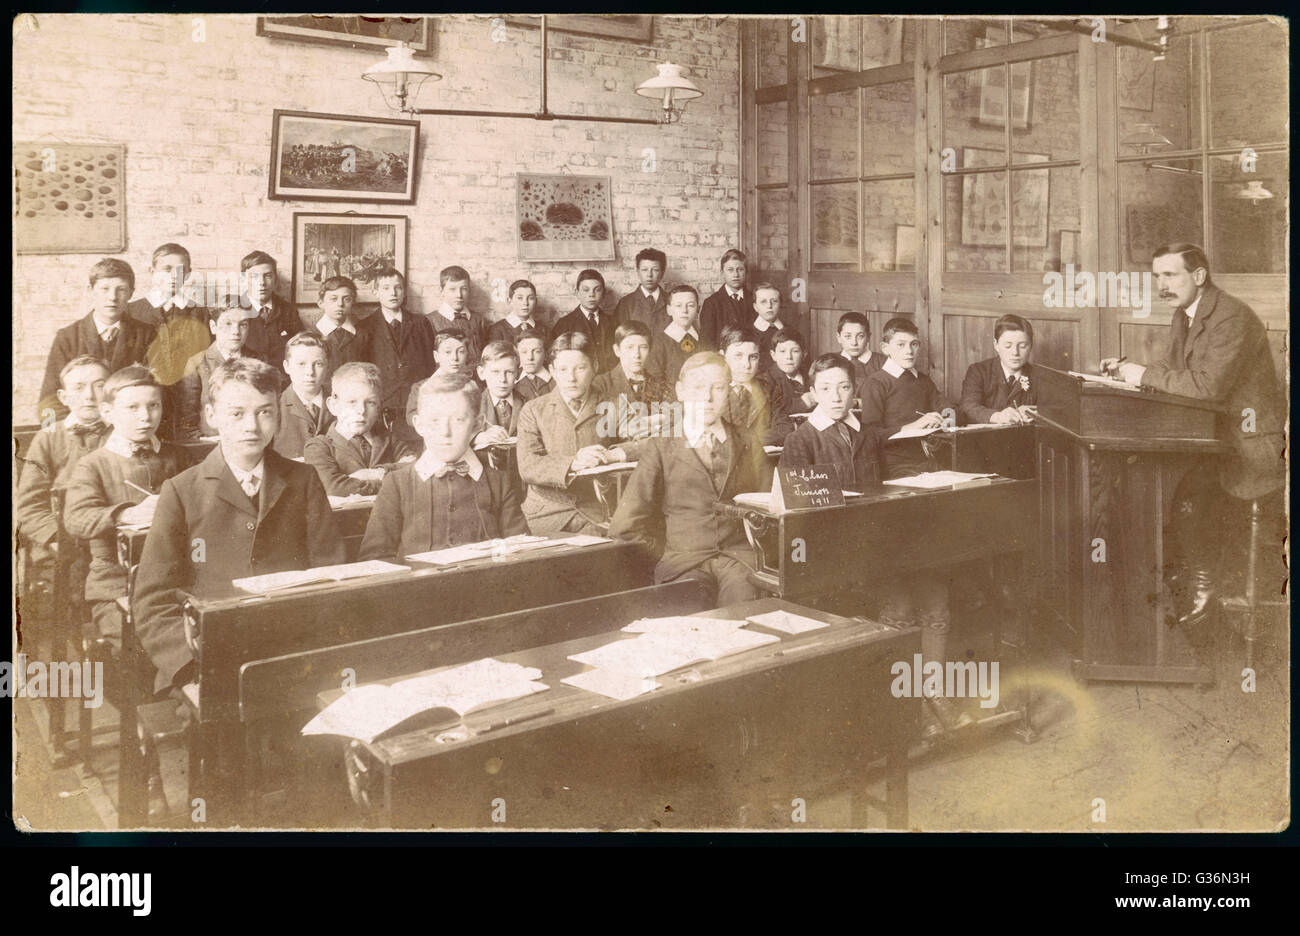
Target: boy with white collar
{"points": [[344, 343], [118, 483], [647, 302], [522, 315], [767, 314], [454, 312], [832, 435], [303, 413], [534, 376], [447, 497], [894, 396], [229, 324], [355, 453], [399, 343], [680, 339]]}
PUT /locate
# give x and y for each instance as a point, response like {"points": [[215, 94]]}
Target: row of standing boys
{"points": [[420, 410]]}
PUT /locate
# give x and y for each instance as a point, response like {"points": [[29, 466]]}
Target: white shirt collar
{"points": [[677, 333], [428, 463], [326, 326], [796, 376], [1190, 311], [652, 296], [695, 436], [821, 422], [762, 325], [734, 294], [317, 400], [543, 374], [161, 299], [447, 312], [894, 370], [394, 317], [118, 445], [105, 329], [370, 435], [516, 322], [243, 477], [71, 420], [865, 356]]}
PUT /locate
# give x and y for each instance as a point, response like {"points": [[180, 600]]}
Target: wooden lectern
{"points": [[1109, 460]]}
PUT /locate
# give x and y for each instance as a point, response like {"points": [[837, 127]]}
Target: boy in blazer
{"points": [[732, 305], [451, 355], [1002, 389], [755, 407], [399, 343], [355, 453], [832, 435], [244, 510], [534, 376], [560, 435], [229, 324], [898, 396], [344, 341], [273, 321], [767, 316], [522, 316], [786, 370], [668, 503], [679, 339], [303, 413], [588, 319], [107, 334], [118, 483], [446, 497], [499, 409], [634, 397], [648, 302], [853, 332], [454, 312]]}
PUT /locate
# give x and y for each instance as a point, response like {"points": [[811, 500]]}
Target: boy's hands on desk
{"points": [[926, 421], [492, 435], [140, 513], [1012, 416], [593, 456], [368, 474]]}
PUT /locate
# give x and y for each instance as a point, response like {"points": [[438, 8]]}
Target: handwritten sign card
{"points": [[803, 488]]}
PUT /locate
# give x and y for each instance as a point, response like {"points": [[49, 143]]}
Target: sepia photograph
{"points": [[767, 423]]}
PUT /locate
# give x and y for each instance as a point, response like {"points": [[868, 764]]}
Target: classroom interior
{"points": [[938, 169]]}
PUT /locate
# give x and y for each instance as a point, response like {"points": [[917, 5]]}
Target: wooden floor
{"points": [[1161, 758]]}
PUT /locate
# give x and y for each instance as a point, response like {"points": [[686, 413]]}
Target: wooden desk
{"points": [[722, 745], [1003, 450]]}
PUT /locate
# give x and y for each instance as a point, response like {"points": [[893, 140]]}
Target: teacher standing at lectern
{"points": [[1218, 351]]}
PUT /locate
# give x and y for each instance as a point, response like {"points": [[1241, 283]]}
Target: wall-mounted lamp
{"points": [[400, 76], [673, 88], [1255, 191]]}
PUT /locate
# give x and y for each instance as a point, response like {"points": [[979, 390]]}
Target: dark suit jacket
{"points": [[549, 437], [791, 392], [1223, 356], [343, 347], [47, 467], [205, 508], [859, 465], [635, 305], [767, 421], [267, 338], [81, 337], [530, 387], [720, 310], [668, 504], [985, 391], [335, 457], [296, 425], [666, 356], [613, 387], [602, 336], [401, 522], [190, 420], [488, 414], [502, 330], [401, 362]]}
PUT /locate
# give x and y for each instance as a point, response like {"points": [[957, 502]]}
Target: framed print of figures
{"points": [[69, 198], [334, 157], [358, 32], [352, 245], [563, 217]]}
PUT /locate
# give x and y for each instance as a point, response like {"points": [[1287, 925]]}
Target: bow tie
{"points": [[81, 430], [140, 448], [461, 468]]}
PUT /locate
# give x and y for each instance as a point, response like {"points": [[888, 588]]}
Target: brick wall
{"points": [[196, 121]]}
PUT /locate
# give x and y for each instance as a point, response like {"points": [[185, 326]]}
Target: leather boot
{"points": [[1192, 582]]}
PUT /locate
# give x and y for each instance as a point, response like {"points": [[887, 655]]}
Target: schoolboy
{"points": [[832, 435], [786, 370], [628, 388], [767, 316], [500, 405], [447, 496], [521, 317], [230, 324], [731, 305], [871, 360], [243, 510], [588, 319], [648, 302], [898, 396], [853, 332], [668, 503], [118, 483], [679, 339], [356, 452], [106, 333], [303, 413], [399, 343], [52, 456], [755, 406], [534, 376], [454, 312], [451, 355], [344, 342], [273, 320]]}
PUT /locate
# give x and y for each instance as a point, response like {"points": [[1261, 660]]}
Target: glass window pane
{"points": [[836, 45], [889, 234], [835, 226], [773, 142], [975, 223], [966, 35], [1023, 30], [834, 135], [1158, 97], [889, 126], [1249, 227], [974, 109], [1159, 202], [887, 40], [1044, 204], [1045, 108], [773, 229], [1248, 85], [773, 36]]}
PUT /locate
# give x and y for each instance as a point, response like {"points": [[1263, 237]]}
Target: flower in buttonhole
{"points": [[1024, 383]]}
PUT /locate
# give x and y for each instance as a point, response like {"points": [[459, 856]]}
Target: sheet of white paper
{"points": [[1103, 379], [584, 539], [786, 622], [639, 657], [773, 449], [760, 499], [938, 479], [605, 469], [712, 645], [351, 500], [612, 684], [913, 433], [351, 570], [274, 581], [681, 623]]}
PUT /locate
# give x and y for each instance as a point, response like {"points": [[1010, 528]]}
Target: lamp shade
{"points": [[1145, 137], [670, 83], [1255, 191], [399, 75]]}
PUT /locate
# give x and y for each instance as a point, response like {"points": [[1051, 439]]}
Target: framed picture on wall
{"points": [[984, 201], [563, 217], [993, 88], [334, 157], [346, 244], [69, 198], [1136, 85], [358, 32]]}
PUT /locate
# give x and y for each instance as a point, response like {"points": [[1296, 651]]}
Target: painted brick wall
{"points": [[196, 121]]}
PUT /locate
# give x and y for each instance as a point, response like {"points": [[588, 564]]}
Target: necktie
{"points": [[461, 468], [395, 326], [251, 487], [138, 449], [637, 387], [314, 411], [366, 450], [83, 430], [687, 343], [845, 433], [1012, 380], [109, 335], [591, 317], [741, 405], [503, 414]]}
